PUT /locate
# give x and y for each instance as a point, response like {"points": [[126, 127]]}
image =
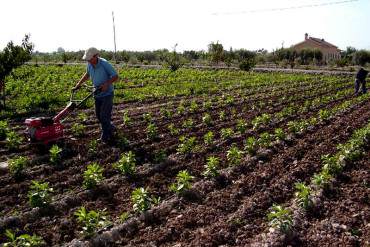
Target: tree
{"points": [[12, 57], [216, 52]]}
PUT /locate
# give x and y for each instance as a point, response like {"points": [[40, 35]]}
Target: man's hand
{"points": [[104, 87]]}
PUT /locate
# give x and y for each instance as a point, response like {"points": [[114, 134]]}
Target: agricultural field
{"points": [[201, 158]]}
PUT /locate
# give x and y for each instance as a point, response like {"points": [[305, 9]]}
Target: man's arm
{"points": [[84, 78], [106, 84]]}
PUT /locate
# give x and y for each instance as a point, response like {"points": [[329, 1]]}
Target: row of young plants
{"points": [[236, 98], [308, 198], [26, 83]]}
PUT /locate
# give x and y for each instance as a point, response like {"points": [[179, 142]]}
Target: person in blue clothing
{"points": [[102, 75]]}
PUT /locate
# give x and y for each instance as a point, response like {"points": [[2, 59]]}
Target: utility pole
{"points": [[114, 35]]}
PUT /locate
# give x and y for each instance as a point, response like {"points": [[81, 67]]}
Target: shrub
{"points": [[39, 194], [92, 176]]}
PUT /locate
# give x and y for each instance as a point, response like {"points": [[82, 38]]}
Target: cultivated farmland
{"points": [[202, 158]]}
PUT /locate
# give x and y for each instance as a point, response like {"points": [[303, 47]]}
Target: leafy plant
{"points": [[92, 147], [127, 164], [78, 129], [227, 133], [331, 164], [251, 145], [160, 156], [280, 134], [206, 119], [181, 108], [141, 199], [222, 115], [183, 182], [261, 120], [147, 117], [241, 126], [280, 218], [124, 217], [17, 165], [92, 176], [303, 195], [4, 128], [265, 140], [188, 123], [324, 115], [126, 119], [322, 180], [207, 105], [91, 221], [173, 130], [13, 140], [208, 138], [82, 117], [166, 113], [152, 131], [187, 145], [234, 155], [55, 154], [22, 240], [193, 106], [211, 167], [39, 194]]}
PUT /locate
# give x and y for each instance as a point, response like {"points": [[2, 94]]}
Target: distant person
{"points": [[361, 79], [102, 75]]}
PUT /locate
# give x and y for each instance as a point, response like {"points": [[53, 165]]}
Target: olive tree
{"points": [[12, 57]]}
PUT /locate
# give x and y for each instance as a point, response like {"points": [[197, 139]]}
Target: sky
{"points": [[192, 24]]}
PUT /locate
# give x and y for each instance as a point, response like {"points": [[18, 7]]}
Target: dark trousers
{"points": [[103, 111], [363, 86]]}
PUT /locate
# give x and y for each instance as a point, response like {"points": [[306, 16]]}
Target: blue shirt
{"points": [[99, 74]]}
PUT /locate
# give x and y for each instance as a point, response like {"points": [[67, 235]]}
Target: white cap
{"points": [[89, 53]]}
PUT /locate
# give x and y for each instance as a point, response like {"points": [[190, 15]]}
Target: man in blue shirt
{"points": [[102, 75]]}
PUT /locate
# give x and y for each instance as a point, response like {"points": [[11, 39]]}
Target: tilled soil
{"points": [[225, 212]]}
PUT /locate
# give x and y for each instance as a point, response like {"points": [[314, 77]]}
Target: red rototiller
{"points": [[50, 129]]}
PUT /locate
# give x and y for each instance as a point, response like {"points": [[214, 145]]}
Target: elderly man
{"points": [[102, 75]]}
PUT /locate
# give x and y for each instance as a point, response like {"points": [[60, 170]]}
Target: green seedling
{"points": [[92, 221], [24, 240], [92, 176], [55, 155], [183, 182], [39, 194], [127, 164], [280, 218], [211, 168], [17, 165]]}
